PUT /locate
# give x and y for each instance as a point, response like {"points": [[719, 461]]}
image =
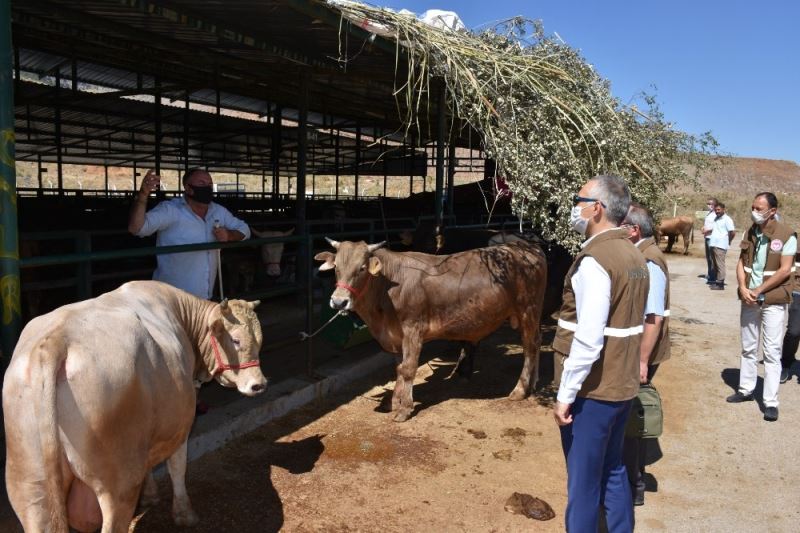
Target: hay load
{"points": [[543, 113]]}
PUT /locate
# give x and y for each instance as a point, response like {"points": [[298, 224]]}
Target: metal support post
{"points": [[440, 130], [9, 249]]}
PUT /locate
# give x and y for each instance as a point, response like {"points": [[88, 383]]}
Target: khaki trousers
{"points": [[718, 258]]}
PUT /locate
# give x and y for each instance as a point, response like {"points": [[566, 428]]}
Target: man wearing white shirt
{"points": [[719, 240], [192, 218], [597, 346], [655, 345], [711, 203]]}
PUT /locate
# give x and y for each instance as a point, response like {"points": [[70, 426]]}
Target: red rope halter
{"points": [[355, 292], [222, 367]]}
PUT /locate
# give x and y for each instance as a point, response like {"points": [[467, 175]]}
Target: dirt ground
{"points": [[342, 465]]}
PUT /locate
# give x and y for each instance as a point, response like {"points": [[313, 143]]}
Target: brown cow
{"points": [[99, 392], [409, 298], [673, 227]]}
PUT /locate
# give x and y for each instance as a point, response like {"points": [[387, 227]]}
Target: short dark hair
{"points": [[188, 174], [720, 204], [638, 215], [771, 199], [713, 200], [614, 193]]}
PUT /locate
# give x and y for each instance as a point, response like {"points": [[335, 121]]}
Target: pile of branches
{"points": [[546, 117]]}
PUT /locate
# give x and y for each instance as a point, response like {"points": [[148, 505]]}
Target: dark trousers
{"points": [[635, 450], [596, 477], [792, 337], [711, 273]]}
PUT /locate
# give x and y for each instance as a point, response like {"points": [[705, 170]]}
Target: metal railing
{"points": [[84, 257]]}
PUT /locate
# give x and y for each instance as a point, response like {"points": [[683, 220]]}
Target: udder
{"points": [[83, 510]]}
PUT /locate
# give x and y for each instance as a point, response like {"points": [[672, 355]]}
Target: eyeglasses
{"points": [[578, 199]]}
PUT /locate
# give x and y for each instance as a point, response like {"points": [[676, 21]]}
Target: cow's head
{"points": [[235, 338], [355, 264], [271, 253]]}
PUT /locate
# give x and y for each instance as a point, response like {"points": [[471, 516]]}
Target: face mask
{"points": [[758, 217], [577, 222], [202, 195]]}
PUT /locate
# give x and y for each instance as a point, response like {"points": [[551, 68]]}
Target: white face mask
{"points": [[577, 222], [758, 217]]}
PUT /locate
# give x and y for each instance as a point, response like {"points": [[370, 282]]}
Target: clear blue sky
{"points": [[728, 66]]}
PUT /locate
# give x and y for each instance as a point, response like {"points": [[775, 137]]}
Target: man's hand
{"points": [[222, 235], [642, 372], [561, 413], [748, 297], [150, 183]]}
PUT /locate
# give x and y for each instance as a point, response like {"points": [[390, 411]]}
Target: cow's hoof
{"points": [[185, 518], [517, 395], [402, 415]]}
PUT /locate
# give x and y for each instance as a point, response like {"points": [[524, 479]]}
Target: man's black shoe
{"points": [[738, 397], [770, 414], [716, 287], [784, 375]]}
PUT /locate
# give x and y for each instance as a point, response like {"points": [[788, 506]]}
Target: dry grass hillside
{"points": [[734, 181]]}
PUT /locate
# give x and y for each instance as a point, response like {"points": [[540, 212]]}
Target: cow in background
{"points": [[100, 391], [672, 228], [271, 253], [409, 298], [241, 265]]}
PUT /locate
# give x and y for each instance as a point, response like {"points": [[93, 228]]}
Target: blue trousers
{"points": [[595, 472]]}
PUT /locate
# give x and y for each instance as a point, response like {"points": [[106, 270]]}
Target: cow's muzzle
{"points": [[340, 304]]}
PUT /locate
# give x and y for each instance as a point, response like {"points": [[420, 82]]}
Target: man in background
{"points": [[708, 223], [719, 240], [192, 218]]}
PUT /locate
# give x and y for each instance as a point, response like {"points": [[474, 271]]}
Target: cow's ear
{"points": [[328, 259], [374, 265]]}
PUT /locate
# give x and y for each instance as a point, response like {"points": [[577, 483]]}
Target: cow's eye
{"points": [[363, 267], [236, 342]]}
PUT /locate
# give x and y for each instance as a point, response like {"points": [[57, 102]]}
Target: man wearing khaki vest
{"points": [[655, 346], [765, 289], [597, 350]]}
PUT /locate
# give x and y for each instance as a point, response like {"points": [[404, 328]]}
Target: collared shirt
{"points": [[720, 228], [708, 223], [176, 223], [760, 256], [592, 286]]}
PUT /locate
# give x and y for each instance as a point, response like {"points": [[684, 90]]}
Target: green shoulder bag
{"points": [[646, 420]]}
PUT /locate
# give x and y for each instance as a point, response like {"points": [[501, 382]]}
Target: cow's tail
{"points": [[47, 359], [691, 233]]}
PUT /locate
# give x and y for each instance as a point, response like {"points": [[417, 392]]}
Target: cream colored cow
{"points": [[99, 392]]}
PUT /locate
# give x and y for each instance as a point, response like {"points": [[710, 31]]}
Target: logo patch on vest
{"points": [[776, 245]]}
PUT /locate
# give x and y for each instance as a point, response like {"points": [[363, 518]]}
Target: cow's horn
{"points": [[224, 304], [333, 243], [373, 247]]}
